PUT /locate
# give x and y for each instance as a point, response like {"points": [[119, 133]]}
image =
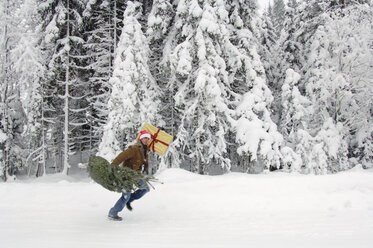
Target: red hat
{"points": [[145, 134]]}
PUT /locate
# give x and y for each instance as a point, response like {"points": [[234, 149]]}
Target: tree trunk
{"points": [[4, 96], [115, 28], [44, 145], [66, 165]]}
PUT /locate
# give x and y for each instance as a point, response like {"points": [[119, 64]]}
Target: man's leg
{"points": [[119, 205], [143, 189]]}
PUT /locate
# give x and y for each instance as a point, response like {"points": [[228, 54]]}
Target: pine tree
{"points": [[116, 178], [30, 69], [278, 15], [62, 22], [271, 56], [103, 26], [256, 135], [268, 49], [99, 21], [160, 21], [355, 59], [324, 61], [293, 37], [200, 65], [135, 96], [338, 60], [12, 117], [294, 122]]}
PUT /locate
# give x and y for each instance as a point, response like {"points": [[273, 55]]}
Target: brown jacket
{"points": [[133, 157]]}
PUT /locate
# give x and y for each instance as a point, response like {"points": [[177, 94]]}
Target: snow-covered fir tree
{"points": [[289, 44], [294, 122], [256, 134], [278, 15], [268, 48], [328, 58], [159, 24], [30, 69], [200, 71], [12, 117], [100, 19], [338, 76], [61, 31], [76, 74], [355, 55], [134, 95], [271, 56]]}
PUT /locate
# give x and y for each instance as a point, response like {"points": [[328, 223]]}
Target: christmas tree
{"points": [[116, 178]]}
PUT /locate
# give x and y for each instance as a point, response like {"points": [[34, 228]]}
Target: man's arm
{"points": [[123, 156]]}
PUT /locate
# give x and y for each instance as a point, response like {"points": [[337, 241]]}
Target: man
{"points": [[136, 158]]}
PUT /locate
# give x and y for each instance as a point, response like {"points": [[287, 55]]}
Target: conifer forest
{"points": [[289, 88]]}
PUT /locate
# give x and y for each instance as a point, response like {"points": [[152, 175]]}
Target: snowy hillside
{"points": [[189, 210]]}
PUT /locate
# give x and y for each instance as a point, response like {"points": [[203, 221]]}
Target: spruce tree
{"points": [[99, 22], [257, 139], [30, 69], [338, 55], [160, 20], [278, 15], [294, 122], [61, 26], [12, 116], [200, 64], [134, 95], [320, 47], [116, 178], [271, 55]]}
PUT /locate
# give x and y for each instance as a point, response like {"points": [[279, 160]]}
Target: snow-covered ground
{"points": [[188, 210]]}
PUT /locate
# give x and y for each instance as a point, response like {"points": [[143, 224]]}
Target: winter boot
{"points": [[128, 206], [115, 218]]}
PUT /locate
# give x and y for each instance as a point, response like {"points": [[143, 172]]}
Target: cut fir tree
{"points": [[116, 178]]}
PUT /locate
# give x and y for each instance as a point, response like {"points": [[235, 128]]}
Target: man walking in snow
{"points": [[136, 158]]}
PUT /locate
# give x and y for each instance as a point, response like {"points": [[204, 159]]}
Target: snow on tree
{"points": [[256, 134], [336, 77], [61, 27], [159, 25], [289, 43], [328, 90], [364, 145], [272, 59], [134, 95], [326, 152], [351, 32], [100, 45], [296, 109], [268, 46], [30, 69], [201, 64], [329, 47], [159, 19], [209, 72], [12, 117], [278, 15]]}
